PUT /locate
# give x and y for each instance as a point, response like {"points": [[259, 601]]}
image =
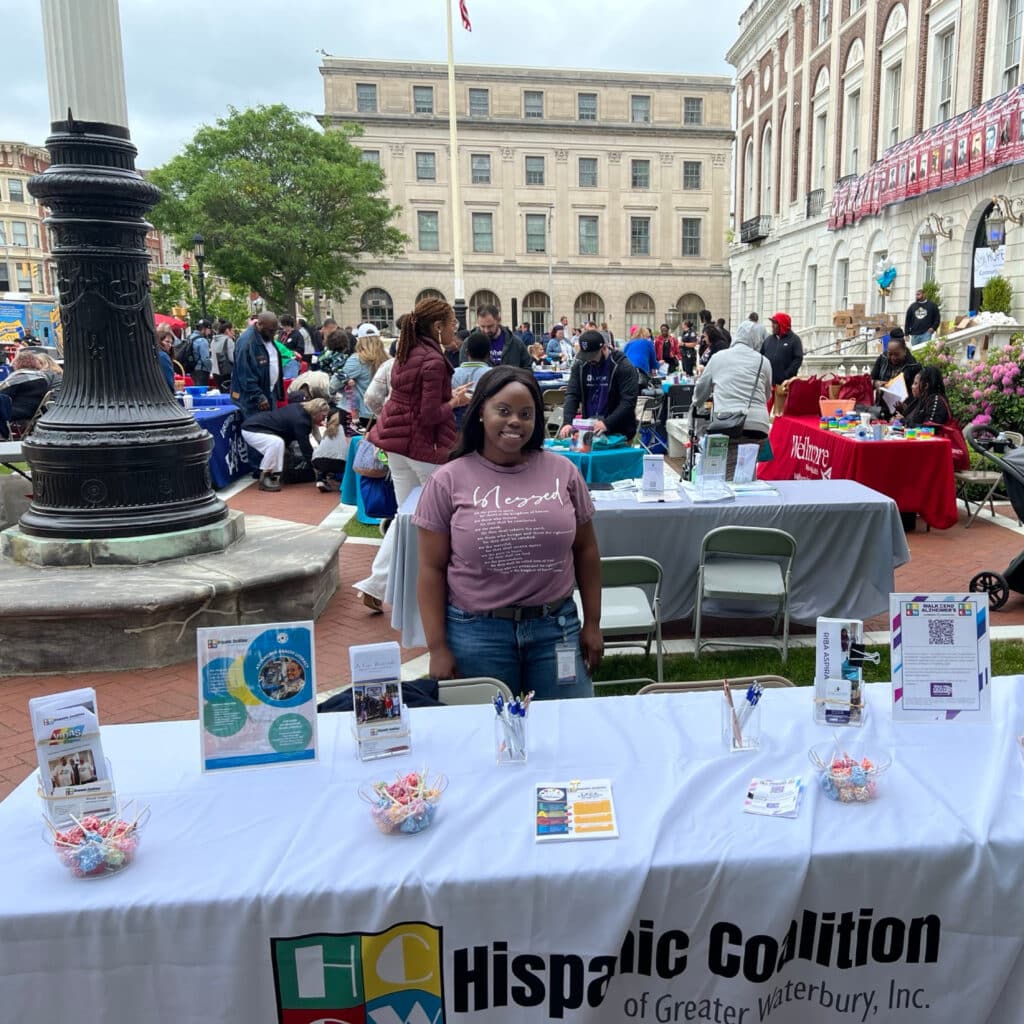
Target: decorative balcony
{"points": [[815, 203], [755, 229]]}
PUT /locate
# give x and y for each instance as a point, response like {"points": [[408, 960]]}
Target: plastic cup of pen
{"points": [[510, 739], [848, 778], [741, 725]]}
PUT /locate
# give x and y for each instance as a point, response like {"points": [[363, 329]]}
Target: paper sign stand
{"points": [[380, 723]]}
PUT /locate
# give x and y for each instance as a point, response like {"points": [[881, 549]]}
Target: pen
{"points": [[737, 733]]}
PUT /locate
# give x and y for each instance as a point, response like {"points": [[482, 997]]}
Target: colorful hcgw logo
{"points": [[389, 977], [66, 735]]}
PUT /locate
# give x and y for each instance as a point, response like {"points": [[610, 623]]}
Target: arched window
{"points": [[689, 306], [639, 312], [537, 313], [430, 293], [784, 162], [748, 180], [482, 298], [766, 170], [588, 307], [376, 308]]}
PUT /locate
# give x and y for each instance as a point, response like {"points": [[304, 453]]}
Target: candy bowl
{"points": [[848, 778], [94, 847], [407, 805]]}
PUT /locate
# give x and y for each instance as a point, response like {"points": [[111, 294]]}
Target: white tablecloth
{"points": [[849, 542], [231, 862]]}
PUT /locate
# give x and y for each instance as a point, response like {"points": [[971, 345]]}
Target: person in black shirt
{"points": [[928, 403], [893, 362], [271, 432], [922, 319]]}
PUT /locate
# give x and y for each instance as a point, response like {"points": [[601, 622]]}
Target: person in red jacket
{"points": [[416, 427]]}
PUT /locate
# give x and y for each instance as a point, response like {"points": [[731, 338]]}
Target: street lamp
{"points": [[1002, 211], [927, 240], [672, 317], [199, 250]]}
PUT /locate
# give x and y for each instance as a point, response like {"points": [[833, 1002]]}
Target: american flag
{"points": [[464, 13]]}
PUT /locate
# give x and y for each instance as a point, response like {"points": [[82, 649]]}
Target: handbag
{"points": [[951, 431], [379, 500], [858, 388], [732, 423], [370, 462], [802, 397]]}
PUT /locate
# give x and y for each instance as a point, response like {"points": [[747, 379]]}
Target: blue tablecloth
{"points": [[351, 494], [666, 384], [211, 401], [605, 467], [547, 375], [229, 459]]}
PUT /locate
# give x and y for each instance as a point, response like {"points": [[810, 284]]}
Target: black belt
{"points": [[528, 611]]}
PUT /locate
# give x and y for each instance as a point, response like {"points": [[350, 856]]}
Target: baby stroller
{"points": [[996, 448]]}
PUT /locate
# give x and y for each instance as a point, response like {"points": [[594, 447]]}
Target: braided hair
{"points": [[421, 323]]}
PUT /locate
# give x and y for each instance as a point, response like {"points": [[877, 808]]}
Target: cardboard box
{"points": [[857, 309], [841, 319]]}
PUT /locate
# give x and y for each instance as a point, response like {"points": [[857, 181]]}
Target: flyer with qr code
{"points": [[257, 694], [941, 669]]}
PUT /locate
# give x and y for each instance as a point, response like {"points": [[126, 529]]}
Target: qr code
{"points": [[940, 632]]}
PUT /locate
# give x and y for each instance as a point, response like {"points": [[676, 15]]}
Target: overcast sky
{"points": [[186, 61]]}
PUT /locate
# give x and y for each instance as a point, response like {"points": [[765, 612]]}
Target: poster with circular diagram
{"points": [[257, 694]]}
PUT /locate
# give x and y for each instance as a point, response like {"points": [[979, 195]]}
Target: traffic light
{"points": [[186, 269]]}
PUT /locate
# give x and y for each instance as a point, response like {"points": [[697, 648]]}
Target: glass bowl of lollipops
{"points": [[408, 805], [94, 847], [848, 778]]}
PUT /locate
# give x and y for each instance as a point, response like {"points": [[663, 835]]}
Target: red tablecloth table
{"points": [[917, 475]]}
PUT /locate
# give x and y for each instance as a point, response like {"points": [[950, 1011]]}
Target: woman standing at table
{"points": [[416, 427], [505, 533], [357, 373]]}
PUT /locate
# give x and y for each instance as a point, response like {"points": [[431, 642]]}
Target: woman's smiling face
{"points": [[509, 418]]}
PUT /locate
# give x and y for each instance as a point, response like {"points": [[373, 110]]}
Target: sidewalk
{"points": [[940, 561]]}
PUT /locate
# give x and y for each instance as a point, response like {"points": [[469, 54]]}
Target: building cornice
{"points": [[690, 268], [752, 33]]}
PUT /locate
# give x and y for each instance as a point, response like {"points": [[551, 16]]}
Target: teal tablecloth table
{"points": [[351, 494], [605, 466]]}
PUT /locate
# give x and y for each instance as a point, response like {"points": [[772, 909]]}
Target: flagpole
{"points": [[453, 171]]}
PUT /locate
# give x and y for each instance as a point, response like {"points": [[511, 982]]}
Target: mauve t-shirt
{"points": [[512, 528]]}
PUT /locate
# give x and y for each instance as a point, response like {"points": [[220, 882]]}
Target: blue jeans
{"points": [[520, 654]]}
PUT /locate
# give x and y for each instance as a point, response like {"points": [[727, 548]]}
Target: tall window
{"points": [[19, 233], [479, 102], [692, 174], [535, 170], [1014, 27], [426, 167], [748, 180], [588, 172], [691, 236], [639, 236], [640, 173], [533, 103], [372, 156], [842, 294], [426, 222], [812, 295], [852, 132], [893, 103], [366, 98], [34, 228], [766, 171], [16, 190], [640, 109], [5, 277], [481, 168], [536, 232], [377, 308], [820, 149], [588, 236], [537, 312], [693, 110], [855, 5], [423, 99], [944, 76], [824, 20], [586, 106], [24, 272], [640, 311], [483, 232], [3, 233]]}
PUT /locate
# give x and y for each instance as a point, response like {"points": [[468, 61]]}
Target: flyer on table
{"points": [[940, 657], [257, 694]]}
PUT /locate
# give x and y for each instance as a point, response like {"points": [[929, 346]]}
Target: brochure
{"points": [[941, 668], [776, 798], [838, 672], [746, 463], [257, 695], [653, 480], [380, 723], [578, 809]]}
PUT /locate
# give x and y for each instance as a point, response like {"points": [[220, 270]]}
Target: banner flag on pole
{"points": [[464, 12]]}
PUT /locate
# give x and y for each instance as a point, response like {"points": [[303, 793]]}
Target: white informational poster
{"points": [[940, 657], [988, 264], [257, 694]]}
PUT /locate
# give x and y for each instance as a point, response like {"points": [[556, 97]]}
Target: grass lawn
{"points": [[1007, 660], [354, 528]]}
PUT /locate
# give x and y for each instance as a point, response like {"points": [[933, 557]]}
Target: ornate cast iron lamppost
{"points": [[199, 250], [114, 456]]}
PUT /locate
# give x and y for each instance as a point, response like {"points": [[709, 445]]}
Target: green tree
{"points": [[997, 295], [230, 302], [282, 205], [166, 296], [933, 292]]}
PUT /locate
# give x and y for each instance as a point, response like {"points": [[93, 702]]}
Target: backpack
{"points": [[185, 354], [225, 364]]}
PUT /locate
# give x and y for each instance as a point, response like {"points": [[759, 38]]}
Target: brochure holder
{"points": [[380, 723]]}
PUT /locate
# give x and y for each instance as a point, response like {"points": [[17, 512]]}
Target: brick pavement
{"points": [[940, 560]]}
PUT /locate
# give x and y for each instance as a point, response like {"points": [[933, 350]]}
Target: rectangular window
{"points": [[426, 167], [588, 172], [3, 233], [842, 297], [426, 221], [366, 98], [692, 174], [824, 20], [423, 99], [856, 5], [535, 170], [16, 190], [34, 229], [812, 295], [944, 69], [1011, 51], [893, 102], [5, 277], [588, 236], [479, 102], [820, 147], [852, 134], [640, 109], [693, 110], [19, 233], [691, 236], [536, 232], [586, 106], [483, 232], [533, 103], [24, 271], [372, 156], [639, 236], [480, 165], [640, 173]]}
